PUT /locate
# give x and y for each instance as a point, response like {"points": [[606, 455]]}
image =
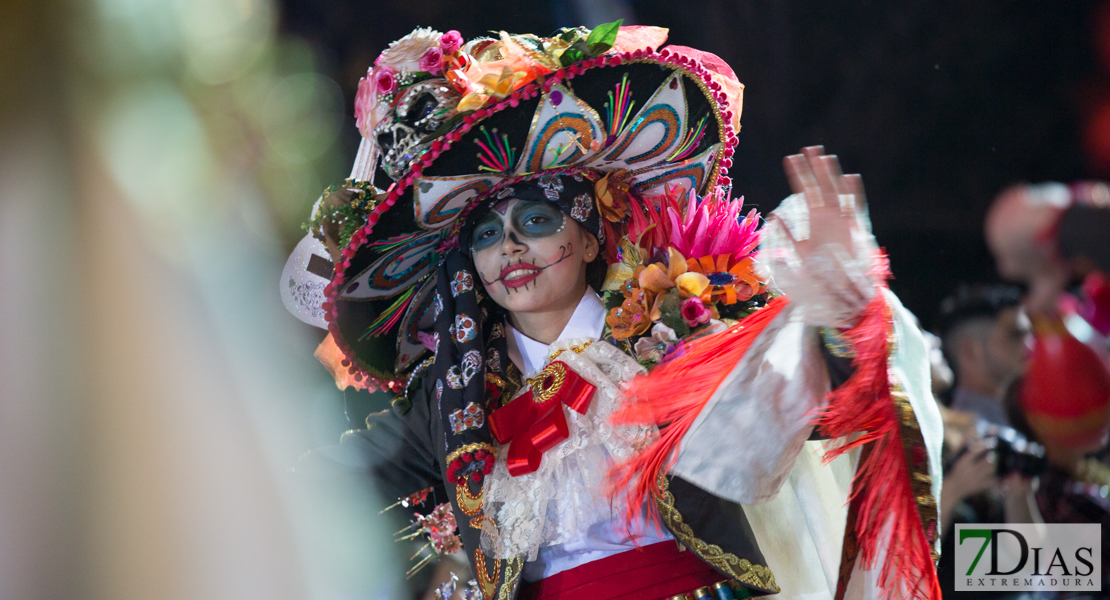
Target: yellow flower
{"points": [[655, 278], [500, 85], [624, 270], [617, 274], [691, 284]]}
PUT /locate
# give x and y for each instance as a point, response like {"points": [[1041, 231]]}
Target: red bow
{"points": [[534, 422]]}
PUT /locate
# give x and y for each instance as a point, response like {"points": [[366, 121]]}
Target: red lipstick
{"points": [[519, 274]]}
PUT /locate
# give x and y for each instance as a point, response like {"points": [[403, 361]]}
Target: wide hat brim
{"points": [[661, 116]]}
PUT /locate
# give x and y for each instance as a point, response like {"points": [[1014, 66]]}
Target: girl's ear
{"points": [[590, 245]]}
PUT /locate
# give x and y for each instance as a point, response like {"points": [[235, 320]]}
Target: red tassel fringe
{"points": [[671, 397], [881, 490]]}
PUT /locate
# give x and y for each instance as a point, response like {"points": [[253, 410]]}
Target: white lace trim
{"points": [[566, 495]]}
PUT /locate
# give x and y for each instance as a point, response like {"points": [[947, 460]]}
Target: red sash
{"points": [[654, 572]]}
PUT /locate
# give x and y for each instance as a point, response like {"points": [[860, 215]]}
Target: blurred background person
{"points": [[983, 337], [985, 341], [1074, 486], [1051, 237]]}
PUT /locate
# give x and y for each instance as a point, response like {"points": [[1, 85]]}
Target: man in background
{"points": [[983, 335]]}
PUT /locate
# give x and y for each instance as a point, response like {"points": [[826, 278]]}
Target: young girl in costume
{"points": [[616, 398]]}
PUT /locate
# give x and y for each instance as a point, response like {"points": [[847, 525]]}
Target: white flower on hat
{"points": [[404, 54]]}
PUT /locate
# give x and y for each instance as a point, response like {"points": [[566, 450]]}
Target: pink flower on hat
{"points": [[695, 312], [385, 79], [432, 61], [364, 103], [451, 42]]}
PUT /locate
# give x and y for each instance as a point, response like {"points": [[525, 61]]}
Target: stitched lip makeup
{"points": [[519, 274]]}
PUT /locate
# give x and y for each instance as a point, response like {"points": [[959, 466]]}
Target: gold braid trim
{"points": [[469, 503], [740, 569], [492, 584], [576, 349], [917, 464], [487, 582], [468, 448]]}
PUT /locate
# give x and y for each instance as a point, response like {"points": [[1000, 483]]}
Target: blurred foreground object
{"points": [[150, 402], [1066, 391]]}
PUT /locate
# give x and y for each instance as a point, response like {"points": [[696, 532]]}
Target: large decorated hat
{"points": [[451, 123]]}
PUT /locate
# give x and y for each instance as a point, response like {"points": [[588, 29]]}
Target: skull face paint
{"points": [[417, 111], [530, 256], [530, 219]]}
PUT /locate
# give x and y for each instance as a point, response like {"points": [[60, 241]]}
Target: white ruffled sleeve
{"points": [[832, 286]]}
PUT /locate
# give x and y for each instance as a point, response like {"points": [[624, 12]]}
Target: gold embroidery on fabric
{"points": [[480, 521], [513, 382], [513, 567], [917, 461], [576, 349], [741, 569], [469, 503], [487, 582], [495, 380]]}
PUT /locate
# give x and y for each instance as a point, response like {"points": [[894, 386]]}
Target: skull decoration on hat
{"points": [[420, 110]]}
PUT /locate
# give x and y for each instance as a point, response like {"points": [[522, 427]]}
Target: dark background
{"points": [[939, 104]]}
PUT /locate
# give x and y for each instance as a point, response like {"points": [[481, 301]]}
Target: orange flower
{"points": [[612, 195], [628, 319], [728, 282], [659, 278]]}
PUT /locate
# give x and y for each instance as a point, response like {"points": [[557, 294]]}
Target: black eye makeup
{"points": [[537, 219], [488, 232], [529, 220]]}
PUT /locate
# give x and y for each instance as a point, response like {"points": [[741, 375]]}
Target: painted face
{"points": [[530, 256]]}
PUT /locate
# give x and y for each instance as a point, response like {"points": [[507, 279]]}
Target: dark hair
{"points": [[596, 269], [967, 305], [980, 301]]}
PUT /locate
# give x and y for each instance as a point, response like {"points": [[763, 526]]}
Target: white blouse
{"points": [[606, 536]]}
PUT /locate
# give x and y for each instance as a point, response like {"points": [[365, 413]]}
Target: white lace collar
{"points": [[587, 321]]}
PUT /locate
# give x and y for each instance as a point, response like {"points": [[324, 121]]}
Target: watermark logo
{"points": [[1027, 557]]}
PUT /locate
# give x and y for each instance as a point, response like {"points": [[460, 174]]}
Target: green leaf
{"points": [[602, 37], [611, 299], [569, 35], [575, 54], [671, 315]]}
